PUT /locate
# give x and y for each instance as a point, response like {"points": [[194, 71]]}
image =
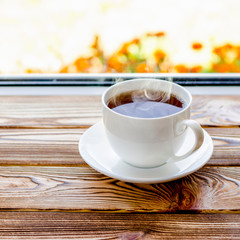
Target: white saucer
{"points": [[96, 151]]}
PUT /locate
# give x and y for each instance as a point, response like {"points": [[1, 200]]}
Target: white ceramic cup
{"points": [[150, 142]]}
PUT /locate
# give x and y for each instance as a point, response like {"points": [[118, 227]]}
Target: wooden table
{"points": [[48, 192]]}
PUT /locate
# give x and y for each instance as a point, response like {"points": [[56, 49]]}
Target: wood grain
{"points": [[55, 147], [216, 110], [78, 111], [211, 189], [49, 111], [226, 146], [53, 225], [40, 146], [47, 192]]}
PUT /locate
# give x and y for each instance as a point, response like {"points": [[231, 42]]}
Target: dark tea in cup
{"points": [[146, 103]]}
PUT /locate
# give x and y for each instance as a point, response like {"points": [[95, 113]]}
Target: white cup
{"points": [[150, 142]]}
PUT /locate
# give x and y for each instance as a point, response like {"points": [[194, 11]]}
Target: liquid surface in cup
{"points": [[146, 104]]}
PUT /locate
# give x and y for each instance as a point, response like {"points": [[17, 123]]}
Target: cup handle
{"points": [[199, 137]]}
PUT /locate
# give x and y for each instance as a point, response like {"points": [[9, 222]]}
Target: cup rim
{"points": [[146, 119]]}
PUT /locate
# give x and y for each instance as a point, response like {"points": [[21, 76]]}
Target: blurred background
{"points": [[71, 36]]}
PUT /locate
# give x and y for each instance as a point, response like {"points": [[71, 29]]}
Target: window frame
{"points": [[107, 79]]}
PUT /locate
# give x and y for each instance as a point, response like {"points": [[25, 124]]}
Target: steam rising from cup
{"points": [[148, 92]]}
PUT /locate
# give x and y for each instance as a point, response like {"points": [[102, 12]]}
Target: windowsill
{"points": [[47, 91]]}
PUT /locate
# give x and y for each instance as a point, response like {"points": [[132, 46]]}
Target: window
{"points": [[77, 42]]}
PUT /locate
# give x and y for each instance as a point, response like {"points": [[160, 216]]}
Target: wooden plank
{"points": [[49, 111], [40, 146], [78, 111], [226, 146], [54, 147], [216, 110], [54, 225], [211, 189]]}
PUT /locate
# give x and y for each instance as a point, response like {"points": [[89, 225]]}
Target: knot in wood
{"points": [[185, 198]]}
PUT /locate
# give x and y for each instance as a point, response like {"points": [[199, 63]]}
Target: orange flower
{"points": [[218, 51], [96, 44], [225, 68], [144, 68], [124, 49], [109, 70], [96, 47], [159, 55], [115, 63], [157, 34], [197, 46], [160, 34], [82, 64], [237, 49], [223, 50], [181, 68], [33, 71], [135, 41], [228, 46], [64, 70], [196, 69]]}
